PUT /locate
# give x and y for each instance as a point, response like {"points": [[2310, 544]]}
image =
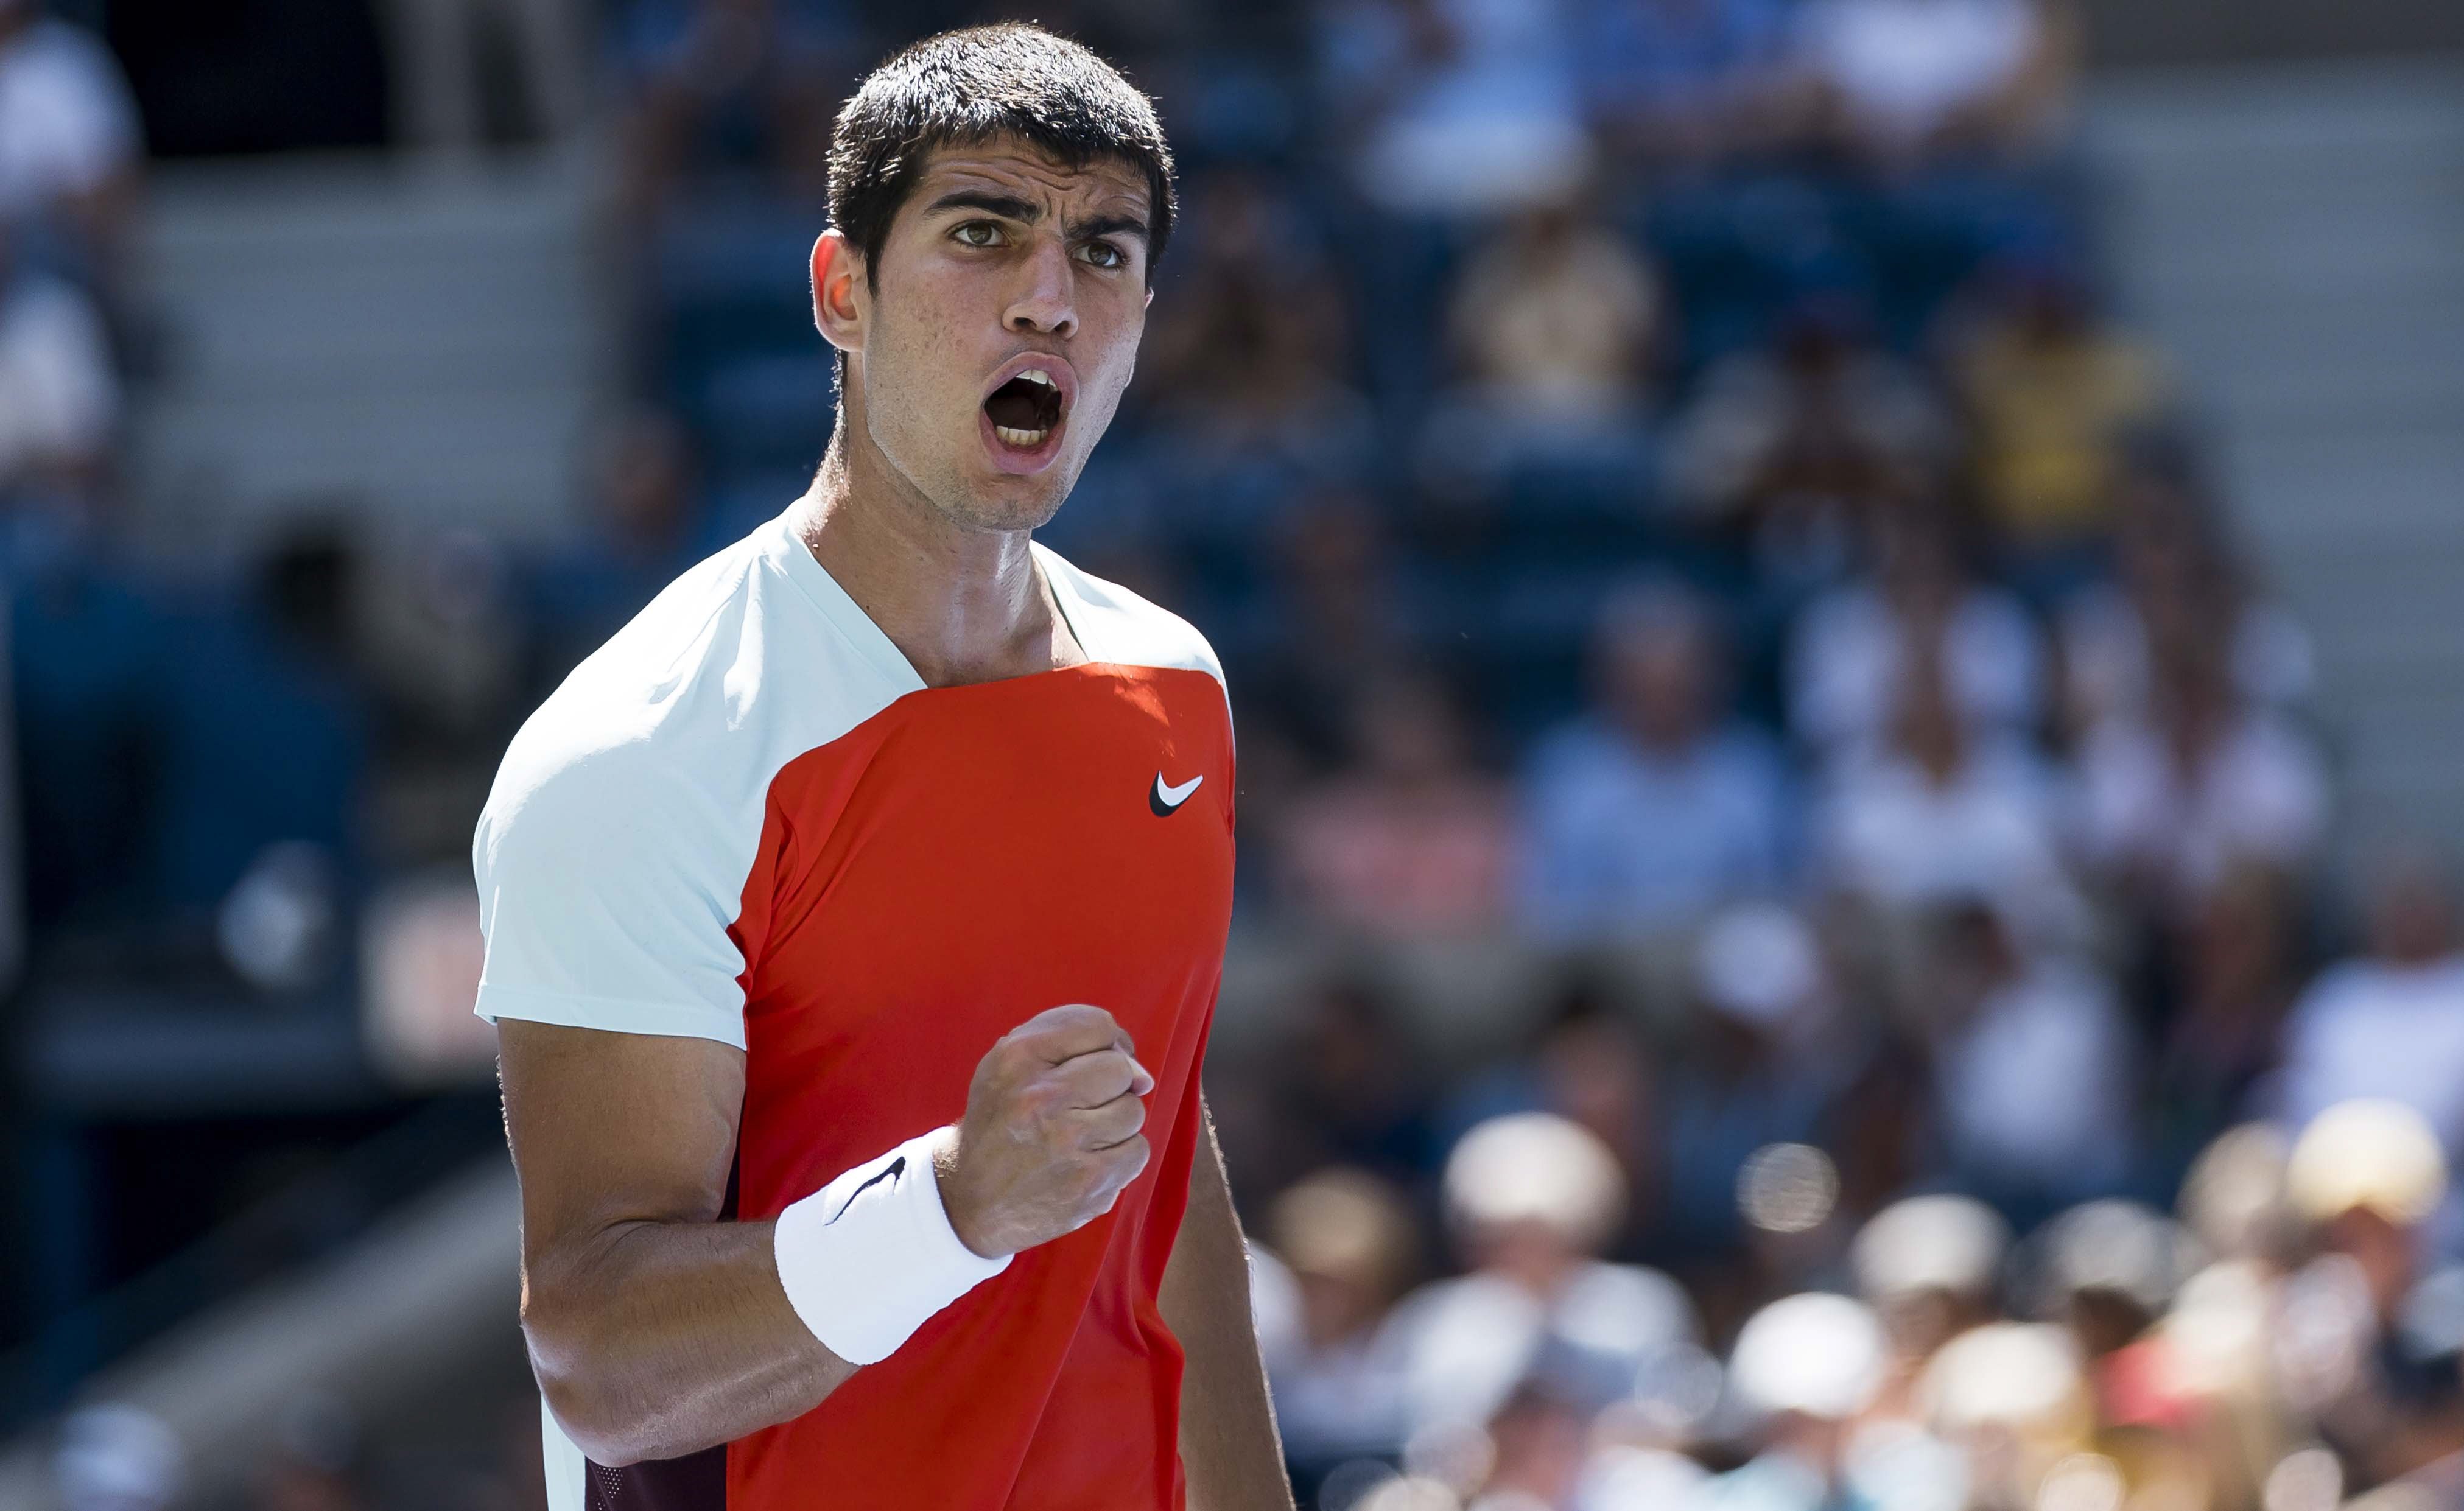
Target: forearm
{"points": [[1230, 1447], [654, 1340]]}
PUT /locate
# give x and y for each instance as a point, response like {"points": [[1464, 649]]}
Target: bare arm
{"points": [[1228, 1444], [656, 1330]]}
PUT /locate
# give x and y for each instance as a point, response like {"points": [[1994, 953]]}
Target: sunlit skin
{"points": [[1000, 255]]}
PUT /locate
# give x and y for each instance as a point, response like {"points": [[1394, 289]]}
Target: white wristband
{"points": [[871, 1255]]}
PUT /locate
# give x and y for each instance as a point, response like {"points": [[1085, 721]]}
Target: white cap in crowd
{"points": [[1929, 1243], [2020, 1376], [1540, 1169], [2117, 1247], [1813, 1354], [2370, 1155]]}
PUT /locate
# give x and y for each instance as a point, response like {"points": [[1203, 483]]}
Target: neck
{"points": [[961, 603]]}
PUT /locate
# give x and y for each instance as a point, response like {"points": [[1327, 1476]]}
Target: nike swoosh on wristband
{"points": [[1167, 801], [888, 1173]]}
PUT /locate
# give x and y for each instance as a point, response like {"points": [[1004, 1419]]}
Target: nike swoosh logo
{"points": [[888, 1173], [1167, 801]]}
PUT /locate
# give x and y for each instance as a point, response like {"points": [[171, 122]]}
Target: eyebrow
{"points": [[1026, 212]]}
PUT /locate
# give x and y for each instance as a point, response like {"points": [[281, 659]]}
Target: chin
{"points": [[1012, 503]]}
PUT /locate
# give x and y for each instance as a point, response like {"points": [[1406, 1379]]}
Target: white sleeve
{"points": [[607, 882]]}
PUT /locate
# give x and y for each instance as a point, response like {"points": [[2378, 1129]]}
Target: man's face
{"points": [[1659, 676], [1003, 327]]}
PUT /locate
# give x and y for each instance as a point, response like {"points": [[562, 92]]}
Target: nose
{"points": [[1044, 301]]}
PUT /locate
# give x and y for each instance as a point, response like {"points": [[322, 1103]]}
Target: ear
{"points": [[839, 293]]}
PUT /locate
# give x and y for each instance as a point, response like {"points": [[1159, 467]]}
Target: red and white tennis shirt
{"points": [[746, 818]]}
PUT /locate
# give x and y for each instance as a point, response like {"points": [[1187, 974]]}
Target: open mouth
{"points": [[1025, 410]]}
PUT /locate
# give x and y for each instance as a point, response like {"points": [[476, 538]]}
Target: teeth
{"points": [[1037, 375], [1016, 437]]}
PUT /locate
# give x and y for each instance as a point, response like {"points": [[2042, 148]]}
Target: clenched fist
{"points": [[1051, 1132]]}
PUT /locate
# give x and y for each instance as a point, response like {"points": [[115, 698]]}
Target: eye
{"points": [[1104, 255], [977, 233]]}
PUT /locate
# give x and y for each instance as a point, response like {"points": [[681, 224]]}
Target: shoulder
{"points": [[1118, 626], [736, 668], [631, 712]]}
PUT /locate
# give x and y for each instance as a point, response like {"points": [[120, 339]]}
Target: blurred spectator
{"points": [[2234, 1202], [1588, 1064], [2365, 1179], [1927, 1265], [1683, 83], [1940, 812], [1658, 805], [2011, 1398], [261, 706], [59, 398], [1346, 1243], [2039, 1074], [2367, 1176], [1253, 342], [1532, 1198], [2051, 391], [1752, 1075], [1342, 619], [2233, 967], [1453, 106], [84, 648], [640, 499], [1820, 421], [2174, 580], [1804, 1369], [1346, 1088], [1864, 648], [716, 89], [437, 630], [1537, 1443], [71, 146], [2420, 1454], [1911, 81], [2108, 1270], [1250, 409], [2390, 1022], [441, 96], [2175, 799], [1554, 326], [1413, 838], [2112, 1270]]}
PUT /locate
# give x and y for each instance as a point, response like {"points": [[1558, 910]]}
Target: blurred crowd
{"points": [[2290, 1335], [1677, 508]]}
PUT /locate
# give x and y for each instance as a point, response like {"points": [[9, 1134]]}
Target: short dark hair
{"points": [[969, 87]]}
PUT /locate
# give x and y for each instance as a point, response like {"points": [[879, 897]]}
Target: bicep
{"points": [[611, 1129]]}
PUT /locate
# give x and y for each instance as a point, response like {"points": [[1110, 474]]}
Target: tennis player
{"points": [[855, 914]]}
